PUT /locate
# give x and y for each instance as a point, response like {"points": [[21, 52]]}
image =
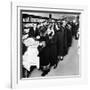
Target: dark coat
{"points": [[65, 42], [74, 28], [36, 32], [44, 53], [53, 50], [24, 48], [60, 41], [31, 32], [69, 37]]}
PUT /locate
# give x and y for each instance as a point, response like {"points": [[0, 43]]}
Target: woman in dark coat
{"points": [[44, 52], [69, 35], [53, 51], [60, 41]]}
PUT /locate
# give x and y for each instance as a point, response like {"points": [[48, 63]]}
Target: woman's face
{"points": [[26, 30]]}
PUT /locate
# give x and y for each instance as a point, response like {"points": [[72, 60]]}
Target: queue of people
{"points": [[45, 44]]}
